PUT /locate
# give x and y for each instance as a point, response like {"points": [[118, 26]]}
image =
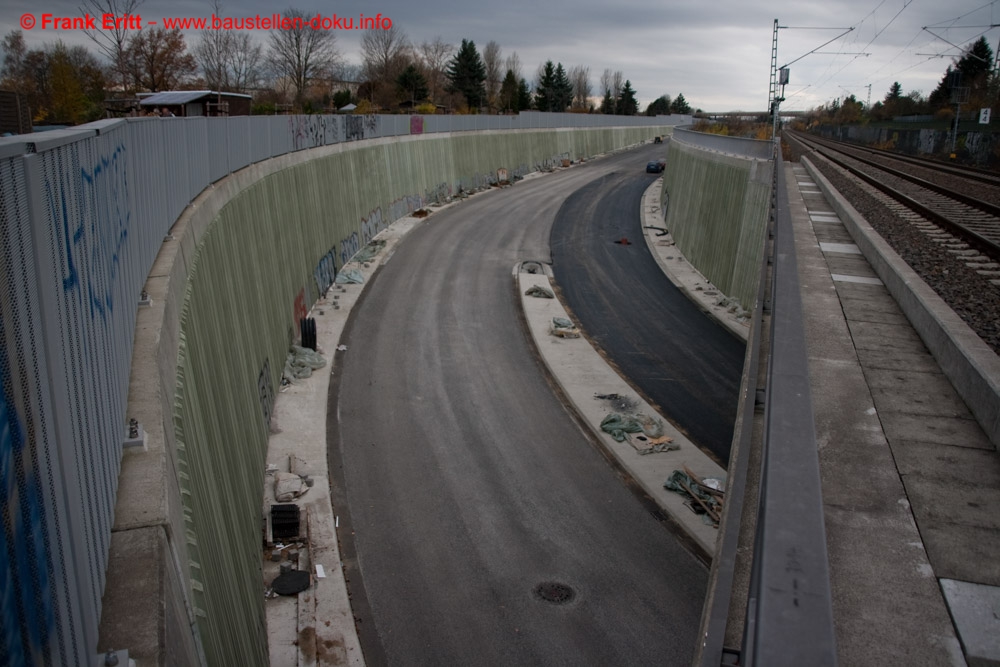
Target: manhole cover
{"points": [[554, 592], [291, 583]]}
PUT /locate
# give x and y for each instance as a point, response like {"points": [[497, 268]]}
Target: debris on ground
{"points": [[705, 496], [564, 328], [660, 231], [663, 443], [349, 276], [540, 292], [732, 306], [618, 402], [618, 426], [300, 364], [368, 253], [288, 486], [623, 241]]}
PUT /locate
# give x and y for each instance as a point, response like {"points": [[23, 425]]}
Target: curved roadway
{"points": [[468, 483], [682, 361]]}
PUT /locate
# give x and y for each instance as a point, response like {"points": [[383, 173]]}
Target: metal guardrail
{"points": [[789, 610], [751, 148]]}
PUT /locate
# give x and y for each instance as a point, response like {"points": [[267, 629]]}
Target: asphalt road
{"points": [[683, 362], [467, 482]]}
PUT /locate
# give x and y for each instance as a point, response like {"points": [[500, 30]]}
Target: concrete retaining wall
{"points": [[717, 208], [245, 261]]}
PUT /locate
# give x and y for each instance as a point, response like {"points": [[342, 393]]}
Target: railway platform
{"points": [[909, 479]]}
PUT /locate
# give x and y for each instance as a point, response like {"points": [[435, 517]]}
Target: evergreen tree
{"points": [[523, 96], [509, 97], [890, 106], [608, 103], [627, 104], [659, 107], [941, 96], [412, 84], [562, 90], [467, 74], [545, 92], [680, 105], [971, 71]]}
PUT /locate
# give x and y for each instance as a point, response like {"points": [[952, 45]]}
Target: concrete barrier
{"points": [[716, 206]]}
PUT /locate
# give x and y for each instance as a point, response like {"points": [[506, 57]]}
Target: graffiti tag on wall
{"points": [[348, 247], [326, 271], [360, 127], [25, 590], [95, 237]]}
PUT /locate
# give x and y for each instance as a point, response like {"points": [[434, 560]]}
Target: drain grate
{"points": [[554, 592]]}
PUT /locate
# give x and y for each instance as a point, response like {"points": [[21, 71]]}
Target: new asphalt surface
{"points": [[468, 482], [682, 361]]}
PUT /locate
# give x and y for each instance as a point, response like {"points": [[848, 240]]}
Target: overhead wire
{"points": [[824, 78]]}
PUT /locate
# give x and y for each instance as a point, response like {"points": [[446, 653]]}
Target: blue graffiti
{"points": [[25, 593], [348, 247], [94, 246], [326, 271], [372, 225]]}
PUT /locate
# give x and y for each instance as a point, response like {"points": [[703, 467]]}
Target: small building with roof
{"points": [[196, 103]]}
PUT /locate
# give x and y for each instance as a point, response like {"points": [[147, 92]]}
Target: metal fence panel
{"points": [[260, 138], [196, 138], [218, 148], [39, 601], [239, 142]]}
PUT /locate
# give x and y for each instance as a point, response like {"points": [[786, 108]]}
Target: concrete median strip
{"points": [[582, 374]]}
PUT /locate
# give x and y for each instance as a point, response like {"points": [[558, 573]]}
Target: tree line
{"points": [[970, 80], [302, 71]]}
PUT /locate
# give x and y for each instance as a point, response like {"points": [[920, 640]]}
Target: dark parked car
{"points": [[654, 167]]}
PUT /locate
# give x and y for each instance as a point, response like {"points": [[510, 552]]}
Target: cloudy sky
{"points": [[717, 54]]}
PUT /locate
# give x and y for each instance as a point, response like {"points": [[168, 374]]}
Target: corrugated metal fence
{"points": [[83, 213]]}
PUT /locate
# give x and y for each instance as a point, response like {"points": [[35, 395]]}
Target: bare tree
{"points": [[579, 78], [381, 52], [384, 55], [245, 63], [513, 64], [492, 60], [114, 42], [434, 57], [302, 55], [229, 59]]}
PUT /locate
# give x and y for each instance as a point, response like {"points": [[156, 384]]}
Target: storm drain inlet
{"points": [[554, 592]]}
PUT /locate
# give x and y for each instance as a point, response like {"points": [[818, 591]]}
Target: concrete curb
{"points": [[970, 365], [582, 374]]}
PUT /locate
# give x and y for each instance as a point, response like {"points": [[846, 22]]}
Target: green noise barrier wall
{"points": [[259, 265], [717, 208]]}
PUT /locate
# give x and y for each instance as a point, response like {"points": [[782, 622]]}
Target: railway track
{"points": [[971, 219], [951, 243]]}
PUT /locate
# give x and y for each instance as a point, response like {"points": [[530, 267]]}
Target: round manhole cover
{"points": [[554, 592]]}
